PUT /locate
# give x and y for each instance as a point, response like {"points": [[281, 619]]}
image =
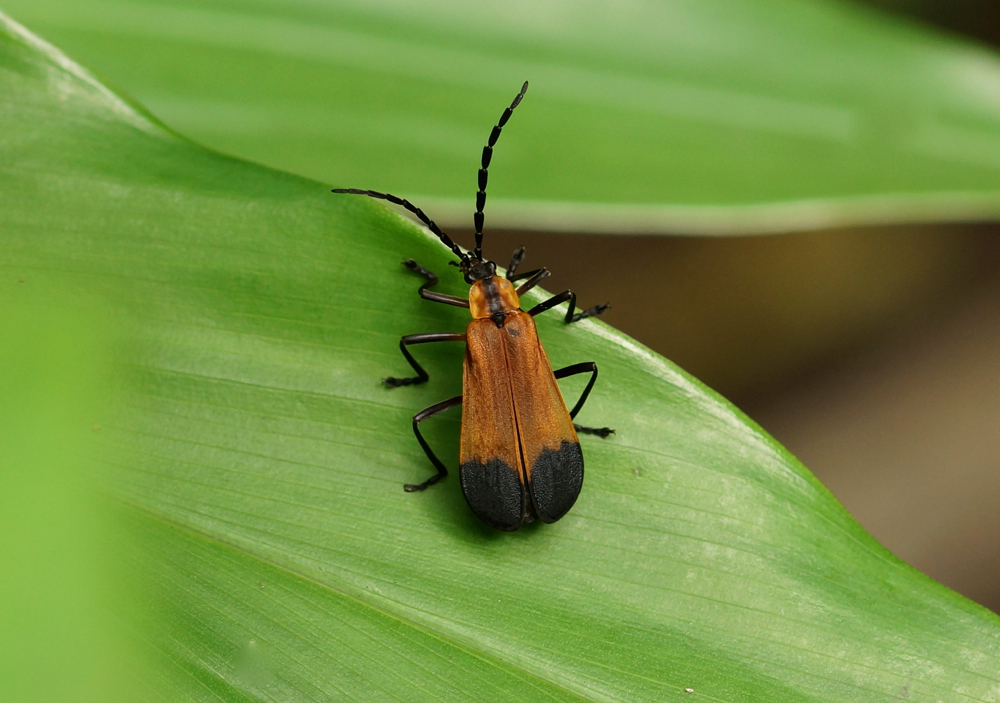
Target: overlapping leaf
{"points": [[685, 116]]}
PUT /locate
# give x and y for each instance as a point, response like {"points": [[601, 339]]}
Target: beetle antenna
{"points": [[415, 210], [483, 175]]}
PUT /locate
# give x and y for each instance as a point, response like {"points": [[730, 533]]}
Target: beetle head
{"points": [[477, 269]]}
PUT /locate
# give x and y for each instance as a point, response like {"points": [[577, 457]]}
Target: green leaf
{"points": [[688, 116], [58, 642], [260, 462]]}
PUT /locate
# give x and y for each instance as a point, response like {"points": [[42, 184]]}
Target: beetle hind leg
{"points": [[424, 414], [584, 367]]}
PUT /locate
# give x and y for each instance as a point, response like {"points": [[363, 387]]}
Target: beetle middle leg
{"points": [[424, 414], [573, 370], [409, 339], [570, 316]]}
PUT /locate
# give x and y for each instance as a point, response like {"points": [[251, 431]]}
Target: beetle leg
{"points": [[432, 280], [602, 432], [571, 297], [515, 260], [421, 376], [534, 278], [573, 370], [417, 419]]}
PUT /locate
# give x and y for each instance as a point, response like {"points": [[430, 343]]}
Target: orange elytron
{"points": [[520, 458]]}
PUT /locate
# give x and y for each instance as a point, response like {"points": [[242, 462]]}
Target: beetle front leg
{"points": [[409, 339], [432, 280]]}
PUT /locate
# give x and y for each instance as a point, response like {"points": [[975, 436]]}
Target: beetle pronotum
{"points": [[520, 457]]}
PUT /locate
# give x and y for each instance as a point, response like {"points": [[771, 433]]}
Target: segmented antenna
{"points": [[483, 175], [415, 210]]}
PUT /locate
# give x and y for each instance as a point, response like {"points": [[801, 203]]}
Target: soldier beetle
{"points": [[520, 457]]}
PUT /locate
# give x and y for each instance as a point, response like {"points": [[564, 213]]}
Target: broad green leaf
{"points": [[259, 462], [643, 116]]}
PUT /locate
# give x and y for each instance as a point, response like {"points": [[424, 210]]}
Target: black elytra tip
{"points": [[556, 480], [494, 492]]}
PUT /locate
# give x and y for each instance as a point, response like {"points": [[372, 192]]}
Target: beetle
{"points": [[520, 456]]}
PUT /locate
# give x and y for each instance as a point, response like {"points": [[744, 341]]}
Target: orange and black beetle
{"points": [[520, 458]]}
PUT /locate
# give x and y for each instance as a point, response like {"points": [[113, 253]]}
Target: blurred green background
{"points": [[868, 351], [691, 116], [59, 548]]}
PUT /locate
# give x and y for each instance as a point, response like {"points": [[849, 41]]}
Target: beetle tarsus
{"points": [[591, 312], [392, 382], [415, 487], [417, 268], [602, 432]]}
